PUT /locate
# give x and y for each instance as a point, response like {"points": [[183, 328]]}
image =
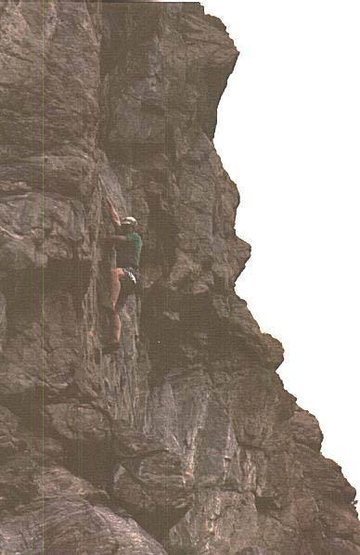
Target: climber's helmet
{"points": [[129, 222]]}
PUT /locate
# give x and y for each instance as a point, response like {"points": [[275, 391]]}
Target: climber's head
{"points": [[129, 224]]}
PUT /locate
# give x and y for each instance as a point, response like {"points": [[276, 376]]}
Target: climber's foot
{"points": [[97, 355], [110, 348]]}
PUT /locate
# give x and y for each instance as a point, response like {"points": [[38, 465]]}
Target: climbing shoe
{"points": [[110, 348]]}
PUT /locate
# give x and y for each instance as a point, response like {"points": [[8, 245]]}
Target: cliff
{"points": [[184, 441]]}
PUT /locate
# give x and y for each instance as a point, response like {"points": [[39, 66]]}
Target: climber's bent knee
{"points": [[118, 273]]}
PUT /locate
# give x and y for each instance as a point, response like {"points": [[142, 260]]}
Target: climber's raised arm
{"points": [[113, 213]]}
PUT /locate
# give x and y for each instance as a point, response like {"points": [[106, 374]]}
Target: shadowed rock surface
{"points": [[184, 441]]}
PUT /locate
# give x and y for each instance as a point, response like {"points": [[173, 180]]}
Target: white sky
{"points": [[289, 136]]}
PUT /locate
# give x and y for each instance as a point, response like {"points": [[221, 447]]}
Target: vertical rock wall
{"points": [[184, 441]]}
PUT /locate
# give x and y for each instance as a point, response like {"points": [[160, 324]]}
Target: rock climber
{"points": [[128, 245]]}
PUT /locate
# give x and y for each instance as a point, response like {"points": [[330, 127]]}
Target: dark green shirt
{"points": [[128, 252]]}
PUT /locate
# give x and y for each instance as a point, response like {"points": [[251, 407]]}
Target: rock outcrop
{"points": [[184, 441]]}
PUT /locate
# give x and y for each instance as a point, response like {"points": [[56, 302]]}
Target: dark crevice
{"points": [[26, 287]]}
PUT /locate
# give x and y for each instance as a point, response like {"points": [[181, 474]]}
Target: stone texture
{"points": [[184, 441], [73, 526]]}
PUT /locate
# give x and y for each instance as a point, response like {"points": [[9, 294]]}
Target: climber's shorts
{"points": [[131, 277], [130, 284]]}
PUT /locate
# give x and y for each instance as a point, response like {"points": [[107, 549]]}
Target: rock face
{"points": [[184, 441]]}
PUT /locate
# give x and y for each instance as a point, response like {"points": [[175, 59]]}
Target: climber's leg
{"points": [[116, 275], [117, 328]]}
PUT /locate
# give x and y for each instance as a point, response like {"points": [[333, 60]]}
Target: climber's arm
{"points": [[115, 239], [114, 215]]}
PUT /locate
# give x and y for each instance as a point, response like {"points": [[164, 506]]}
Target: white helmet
{"points": [[129, 220]]}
